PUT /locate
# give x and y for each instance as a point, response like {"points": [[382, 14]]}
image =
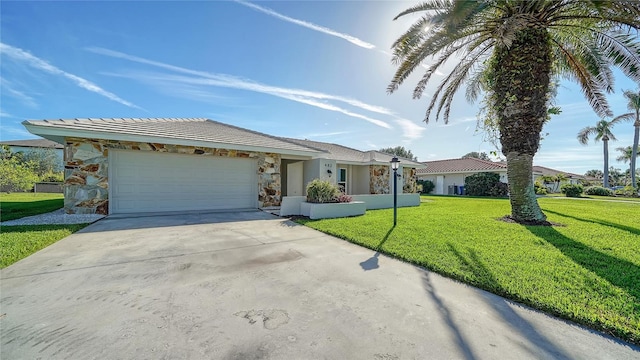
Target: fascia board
{"points": [[45, 131]]}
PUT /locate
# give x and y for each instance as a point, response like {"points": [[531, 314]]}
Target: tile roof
{"points": [[552, 172], [189, 129], [347, 154], [460, 165], [36, 143]]}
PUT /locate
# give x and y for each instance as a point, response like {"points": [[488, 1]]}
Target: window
{"points": [[342, 180]]}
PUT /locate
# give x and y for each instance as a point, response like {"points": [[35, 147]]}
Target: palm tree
{"points": [[626, 153], [512, 50], [633, 104], [602, 131]]}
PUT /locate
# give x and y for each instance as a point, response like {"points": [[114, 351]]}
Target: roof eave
{"points": [[60, 134]]}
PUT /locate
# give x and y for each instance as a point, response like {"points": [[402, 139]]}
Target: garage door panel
{"points": [[150, 182]]}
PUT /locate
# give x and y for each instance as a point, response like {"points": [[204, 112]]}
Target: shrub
{"points": [[483, 184], [16, 177], [628, 191], [499, 189], [52, 177], [426, 186], [572, 190], [344, 198], [598, 190], [319, 191], [539, 188]]}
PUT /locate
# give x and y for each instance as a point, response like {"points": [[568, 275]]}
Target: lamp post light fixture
{"points": [[395, 164]]}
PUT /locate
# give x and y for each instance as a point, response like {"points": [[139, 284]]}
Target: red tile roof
{"points": [[460, 165]]}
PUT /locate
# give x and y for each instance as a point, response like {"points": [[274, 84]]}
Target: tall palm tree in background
{"points": [[513, 50], [633, 104], [626, 153], [602, 131]]}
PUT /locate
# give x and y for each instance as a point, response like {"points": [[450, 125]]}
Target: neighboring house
{"points": [[451, 173], [30, 145], [151, 165], [570, 178]]}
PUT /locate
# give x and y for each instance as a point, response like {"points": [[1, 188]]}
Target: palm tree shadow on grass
{"points": [[601, 222], [618, 272], [372, 262]]}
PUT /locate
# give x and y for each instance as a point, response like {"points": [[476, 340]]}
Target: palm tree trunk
{"points": [[605, 145], [524, 204], [521, 83], [634, 151]]}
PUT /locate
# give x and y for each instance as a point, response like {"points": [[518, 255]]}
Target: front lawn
{"points": [[587, 271], [18, 205], [18, 242]]}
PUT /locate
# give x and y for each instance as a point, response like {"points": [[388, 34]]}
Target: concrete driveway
{"points": [[249, 285]]}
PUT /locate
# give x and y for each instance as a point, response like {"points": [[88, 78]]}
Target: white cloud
{"points": [[4, 114], [9, 89], [35, 62], [311, 98], [352, 39], [410, 130]]}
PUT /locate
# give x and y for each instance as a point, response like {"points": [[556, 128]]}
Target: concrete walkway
{"points": [[249, 285]]}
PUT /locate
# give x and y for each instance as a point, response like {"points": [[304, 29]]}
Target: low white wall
{"points": [[290, 205], [385, 201], [332, 210]]}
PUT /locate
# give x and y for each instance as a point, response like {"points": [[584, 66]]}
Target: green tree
{"points": [[626, 153], [15, 176], [477, 155], [512, 50], [42, 161], [400, 151], [594, 173], [602, 131], [633, 104]]}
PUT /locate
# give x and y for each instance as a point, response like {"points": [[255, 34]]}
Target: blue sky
{"points": [[304, 69]]}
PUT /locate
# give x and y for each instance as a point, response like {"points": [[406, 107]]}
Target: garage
{"points": [[145, 181]]}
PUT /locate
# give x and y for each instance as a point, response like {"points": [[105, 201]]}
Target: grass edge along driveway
{"points": [[18, 242], [587, 271]]}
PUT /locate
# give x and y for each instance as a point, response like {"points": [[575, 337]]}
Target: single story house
{"points": [[569, 178], [129, 165], [451, 173], [25, 146]]}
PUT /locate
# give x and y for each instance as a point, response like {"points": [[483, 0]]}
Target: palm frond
{"points": [[437, 5], [584, 134], [575, 68]]}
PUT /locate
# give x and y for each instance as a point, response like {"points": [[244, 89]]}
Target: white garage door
{"points": [[142, 181]]}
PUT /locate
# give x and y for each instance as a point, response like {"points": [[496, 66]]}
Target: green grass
{"points": [[587, 271], [17, 205], [597, 197], [18, 242]]}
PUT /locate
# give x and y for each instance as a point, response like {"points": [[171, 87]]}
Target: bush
{"points": [[52, 177], [426, 186], [539, 188], [485, 184], [572, 190], [344, 198], [499, 189], [16, 177], [319, 191], [627, 191], [598, 190]]}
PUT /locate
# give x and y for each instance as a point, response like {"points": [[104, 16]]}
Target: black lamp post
{"points": [[395, 163]]}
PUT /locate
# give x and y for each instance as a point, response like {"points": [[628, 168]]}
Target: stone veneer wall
{"points": [[379, 179], [410, 180], [86, 186]]}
